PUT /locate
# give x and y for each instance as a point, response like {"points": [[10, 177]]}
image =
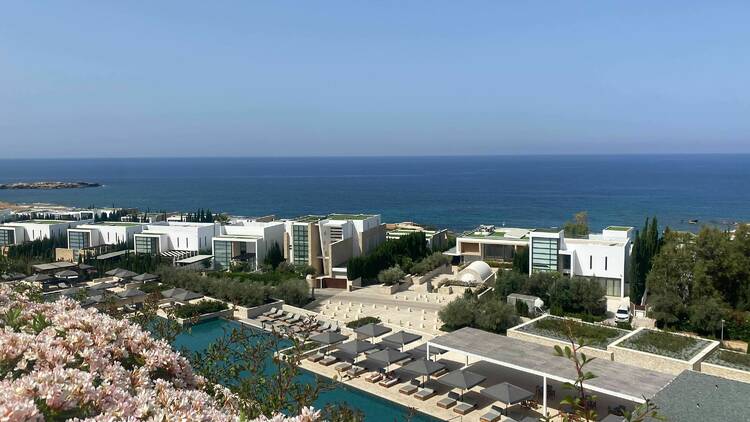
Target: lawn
{"points": [[665, 344], [736, 360], [596, 336]]}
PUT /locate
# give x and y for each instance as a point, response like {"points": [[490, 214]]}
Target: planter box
{"points": [[394, 288], [551, 342], [444, 269], [242, 312], [656, 362], [725, 372]]}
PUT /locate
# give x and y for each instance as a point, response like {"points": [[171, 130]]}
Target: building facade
{"points": [[246, 242]]}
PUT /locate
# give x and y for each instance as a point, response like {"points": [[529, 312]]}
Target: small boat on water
{"points": [[693, 221]]}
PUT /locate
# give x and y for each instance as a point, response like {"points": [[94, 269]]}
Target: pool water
{"points": [[373, 407]]}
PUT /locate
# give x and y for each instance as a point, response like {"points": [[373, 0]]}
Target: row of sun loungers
{"points": [[279, 317]]}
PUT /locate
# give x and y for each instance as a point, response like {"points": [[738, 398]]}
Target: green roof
{"points": [[548, 230], [117, 223], [620, 228], [349, 216], [46, 221], [309, 219], [475, 235]]}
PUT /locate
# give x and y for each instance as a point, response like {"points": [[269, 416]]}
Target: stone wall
{"points": [[724, 372], [249, 313], [546, 341], [226, 313]]}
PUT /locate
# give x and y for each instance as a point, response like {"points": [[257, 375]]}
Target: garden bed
{"points": [[730, 359], [595, 336], [665, 344]]}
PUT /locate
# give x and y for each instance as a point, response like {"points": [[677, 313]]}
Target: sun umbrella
{"points": [[130, 293], [328, 337], [507, 393], [387, 357], [113, 272], [402, 338], [40, 278], [461, 379], [145, 277], [423, 367], [181, 295], [66, 274], [422, 348], [125, 274], [355, 347], [372, 330]]}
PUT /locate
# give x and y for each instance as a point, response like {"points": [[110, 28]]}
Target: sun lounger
{"points": [[315, 357], [388, 382], [424, 394], [491, 415], [355, 371], [440, 373], [324, 325], [278, 314], [408, 389], [343, 366], [328, 360], [269, 313], [463, 408], [446, 402], [373, 377], [294, 319]]}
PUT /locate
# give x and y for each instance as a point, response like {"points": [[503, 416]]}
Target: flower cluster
{"points": [[60, 361]]}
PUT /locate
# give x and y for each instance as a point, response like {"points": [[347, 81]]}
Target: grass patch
{"points": [[731, 359], [665, 344], [595, 336]]}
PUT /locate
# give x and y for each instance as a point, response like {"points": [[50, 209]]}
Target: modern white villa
{"points": [[176, 239], [246, 241], [603, 256], [102, 233], [19, 232]]}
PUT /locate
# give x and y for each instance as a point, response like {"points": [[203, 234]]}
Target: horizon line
{"points": [[627, 154]]}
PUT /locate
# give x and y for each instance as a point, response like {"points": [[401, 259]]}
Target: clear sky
{"points": [[192, 78]]}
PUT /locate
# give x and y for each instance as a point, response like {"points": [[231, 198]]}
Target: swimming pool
{"points": [[374, 408]]}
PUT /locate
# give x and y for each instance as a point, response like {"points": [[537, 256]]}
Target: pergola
{"points": [[615, 379]]}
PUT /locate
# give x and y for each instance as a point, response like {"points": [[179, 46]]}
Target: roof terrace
{"points": [[350, 216]]}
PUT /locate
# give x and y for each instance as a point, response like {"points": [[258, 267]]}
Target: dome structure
{"points": [[477, 272]]}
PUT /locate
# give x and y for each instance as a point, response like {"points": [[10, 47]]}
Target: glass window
{"points": [[300, 244], [222, 254], [544, 254], [145, 244], [7, 237], [78, 240]]}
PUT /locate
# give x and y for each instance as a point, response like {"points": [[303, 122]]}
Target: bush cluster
{"points": [[191, 310], [429, 263], [665, 344], [486, 313], [362, 321], [408, 248], [391, 276], [592, 335], [248, 293]]}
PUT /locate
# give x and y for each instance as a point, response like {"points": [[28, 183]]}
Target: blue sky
{"points": [[194, 78]]}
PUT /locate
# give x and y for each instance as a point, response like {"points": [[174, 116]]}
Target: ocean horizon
{"points": [[456, 192]]}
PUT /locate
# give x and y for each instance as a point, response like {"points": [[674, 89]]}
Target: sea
{"points": [[455, 192]]}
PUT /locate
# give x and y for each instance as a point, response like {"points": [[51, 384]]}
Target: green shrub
{"points": [[386, 255], [522, 308], [489, 314], [731, 359], [458, 313], [192, 310], [665, 344], [429, 263], [391, 276], [293, 292], [362, 321]]}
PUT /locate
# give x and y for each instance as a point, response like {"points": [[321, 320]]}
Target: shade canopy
{"points": [[328, 338], [131, 293], [181, 294], [145, 277], [507, 393], [103, 286], [121, 273], [66, 274], [355, 347], [423, 367], [372, 330], [402, 337], [613, 418], [434, 350], [38, 278], [461, 379], [388, 356]]}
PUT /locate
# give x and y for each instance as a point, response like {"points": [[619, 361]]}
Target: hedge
{"points": [[191, 310]]}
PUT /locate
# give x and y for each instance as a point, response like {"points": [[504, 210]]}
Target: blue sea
{"points": [[453, 192]]}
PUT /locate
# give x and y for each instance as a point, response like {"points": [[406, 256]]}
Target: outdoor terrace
{"points": [[349, 216]]}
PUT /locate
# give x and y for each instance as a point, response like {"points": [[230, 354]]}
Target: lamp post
{"points": [[722, 331]]}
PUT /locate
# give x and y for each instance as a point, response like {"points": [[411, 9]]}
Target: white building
{"points": [[101, 233], [604, 257], [20, 232], [490, 243], [246, 241], [164, 237]]}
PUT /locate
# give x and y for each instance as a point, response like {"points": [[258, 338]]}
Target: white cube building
{"points": [[246, 241], [163, 237], [20, 232]]}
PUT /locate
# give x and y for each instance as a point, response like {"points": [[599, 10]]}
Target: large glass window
{"points": [[300, 244], [7, 237], [146, 244], [611, 285], [222, 254], [544, 254], [79, 240]]}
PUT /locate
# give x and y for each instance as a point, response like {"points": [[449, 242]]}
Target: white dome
{"points": [[477, 272]]}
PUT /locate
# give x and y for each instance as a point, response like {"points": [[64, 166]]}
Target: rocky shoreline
{"points": [[49, 185]]}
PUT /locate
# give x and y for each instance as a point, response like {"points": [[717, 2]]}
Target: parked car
{"points": [[623, 313]]}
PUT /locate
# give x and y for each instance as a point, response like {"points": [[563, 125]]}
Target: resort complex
{"points": [[486, 325]]}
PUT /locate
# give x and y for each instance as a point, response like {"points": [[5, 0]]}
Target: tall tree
{"points": [[579, 226]]}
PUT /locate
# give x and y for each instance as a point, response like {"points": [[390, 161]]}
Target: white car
{"points": [[622, 314]]}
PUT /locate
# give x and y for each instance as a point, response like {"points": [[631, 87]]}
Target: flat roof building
{"points": [[102, 233], [436, 239], [163, 237], [20, 232], [246, 242], [490, 243]]}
